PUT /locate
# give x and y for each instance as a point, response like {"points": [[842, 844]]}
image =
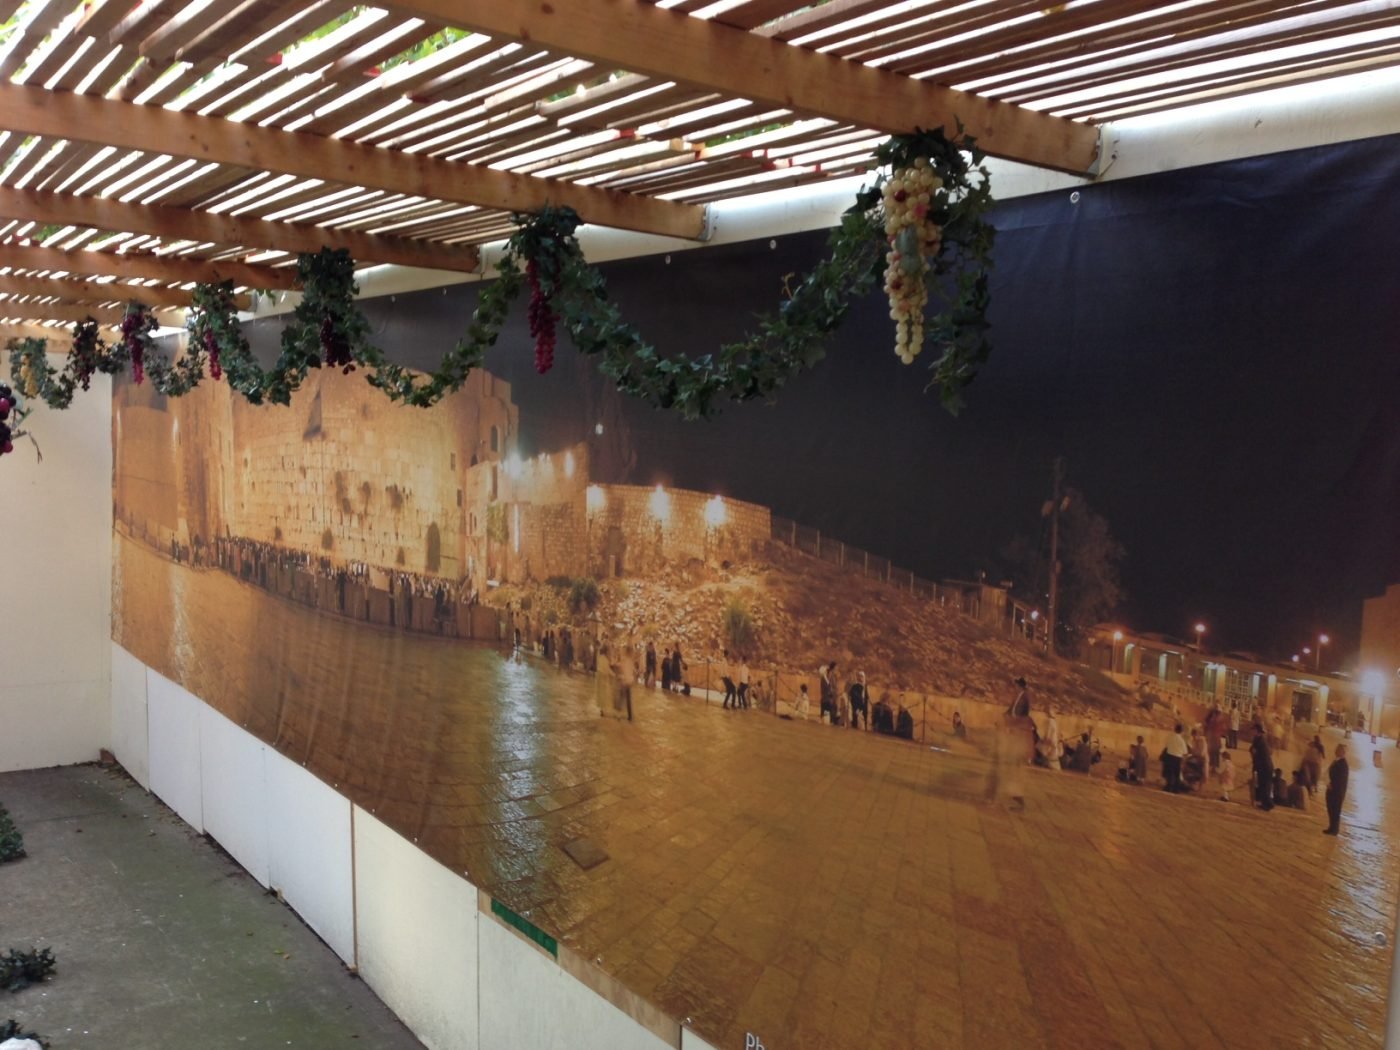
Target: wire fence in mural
{"points": [[964, 597]]}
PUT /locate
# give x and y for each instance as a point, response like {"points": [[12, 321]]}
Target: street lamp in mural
{"points": [[1322, 640], [1200, 631], [1117, 637]]}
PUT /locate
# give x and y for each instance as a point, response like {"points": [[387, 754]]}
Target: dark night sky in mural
{"points": [[1221, 395]]}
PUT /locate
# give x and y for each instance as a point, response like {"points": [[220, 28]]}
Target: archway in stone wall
{"points": [[434, 544], [615, 552]]}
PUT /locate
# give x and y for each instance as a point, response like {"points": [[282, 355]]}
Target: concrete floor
{"points": [[163, 942]]}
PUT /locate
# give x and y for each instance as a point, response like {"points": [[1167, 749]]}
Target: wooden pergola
{"points": [[148, 146]]}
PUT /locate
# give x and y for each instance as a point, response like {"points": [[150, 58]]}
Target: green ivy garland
{"points": [[328, 330]]}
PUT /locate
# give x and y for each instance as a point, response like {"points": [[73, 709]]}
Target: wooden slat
{"points": [[1192, 91], [60, 340], [165, 41], [108, 315], [182, 224], [1213, 44], [707, 55], [39, 22], [1276, 77], [1114, 42], [147, 267], [100, 292], [109, 122], [756, 13], [102, 16], [370, 54]]}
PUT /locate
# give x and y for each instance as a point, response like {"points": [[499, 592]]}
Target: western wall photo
{"points": [[725, 705]]}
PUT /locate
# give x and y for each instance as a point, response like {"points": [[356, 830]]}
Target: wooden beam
{"points": [[105, 315], [102, 292], [175, 268], [87, 118], [185, 224], [60, 340], [706, 54]]}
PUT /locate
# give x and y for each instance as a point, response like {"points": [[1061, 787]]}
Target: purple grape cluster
{"points": [[335, 348], [84, 361], [7, 402], [131, 328], [211, 348], [542, 321]]}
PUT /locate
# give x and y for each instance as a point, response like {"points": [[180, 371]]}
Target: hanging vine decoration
{"points": [[12, 413], [924, 216]]}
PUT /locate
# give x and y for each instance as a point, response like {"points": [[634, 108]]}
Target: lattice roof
{"points": [[168, 142]]}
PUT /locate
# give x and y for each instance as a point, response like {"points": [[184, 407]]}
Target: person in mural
{"points": [[1050, 742], [1137, 762], [827, 685], [1280, 788], [649, 665], [665, 672], [1015, 746], [1215, 729], [959, 726], [904, 724], [743, 696], [1337, 774], [1233, 740], [1227, 775], [860, 702], [678, 671], [726, 675], [1313, 757], [1173, 755], [1263, 761]]}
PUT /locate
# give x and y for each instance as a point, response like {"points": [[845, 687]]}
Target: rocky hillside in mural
{"points": [[801, 612]]}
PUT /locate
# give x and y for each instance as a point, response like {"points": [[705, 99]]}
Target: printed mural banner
{"points": [[538, 615]]}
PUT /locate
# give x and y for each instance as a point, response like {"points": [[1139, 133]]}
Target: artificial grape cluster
{"points": [[335, 348], [84, 358], [135, 345], [913, 238], [542, 321], [7, 403], [211, 348]]}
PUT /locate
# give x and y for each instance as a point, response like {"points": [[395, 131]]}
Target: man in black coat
{"points": [[1263, 768], [1337, 774]]}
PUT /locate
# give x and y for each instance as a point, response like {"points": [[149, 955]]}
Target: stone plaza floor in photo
{"points": [[818, 887]]}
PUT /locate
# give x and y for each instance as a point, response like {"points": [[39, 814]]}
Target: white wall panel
{"points": [[556, 1013], [418, 926], [308, 827], [52, 723], [129, 733], [234, 791], [56, 621], [173, 718], [691, 1041]]}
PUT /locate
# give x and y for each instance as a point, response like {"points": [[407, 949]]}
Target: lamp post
{"points": [[1200, 630], [1322, 640], [1117, 637]]}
